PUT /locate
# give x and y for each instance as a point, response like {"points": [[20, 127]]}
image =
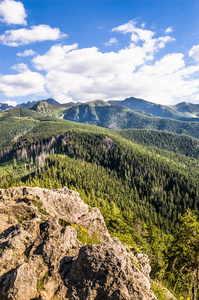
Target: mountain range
{"points": [[181, 118], [180, 111], [5, 106]]}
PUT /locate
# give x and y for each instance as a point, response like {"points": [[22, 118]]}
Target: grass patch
{"points": [[20, 219], [159, 291], [82, 234], [40, 281], [43, 219], [87, 238], [41, 210], [64, 223]]}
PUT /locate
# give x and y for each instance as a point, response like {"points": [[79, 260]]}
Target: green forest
{"points": [[145, 183]]}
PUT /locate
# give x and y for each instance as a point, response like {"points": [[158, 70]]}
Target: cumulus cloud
{"points": [[22, 84], [12, 12], [136, 33], [111, 42], [73, 74], [20, 67], [29, 52], [169, 30], [150, 43], [90, 61], [166, 80], [25, 36], [194, 52], [87, 74], [9, 102]]}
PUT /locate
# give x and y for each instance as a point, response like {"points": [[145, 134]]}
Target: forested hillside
{"points": [[118, 117], [142, 180], [180, 144]]}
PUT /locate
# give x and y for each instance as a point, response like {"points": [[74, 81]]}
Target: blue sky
{"points": [[83, 50]]}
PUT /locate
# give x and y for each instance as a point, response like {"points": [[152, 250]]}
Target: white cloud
{"points": [[20, 67], [74, 74], [130, 27], [12, 12], [23, 84], [87, 74], [194, 52], [25, 36], [150, 43], [29, 52], [90, 61], [162, 41], [169, 30], [9, 102], [111, 42]]}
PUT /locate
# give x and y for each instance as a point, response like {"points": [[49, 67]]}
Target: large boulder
{"points": [[20, 283], [42, 257], [101, 272]]}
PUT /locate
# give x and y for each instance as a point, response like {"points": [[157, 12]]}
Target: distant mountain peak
{"points": [[30, 104], [50, 101], [95, 103], [5, 106], [148, 107]]}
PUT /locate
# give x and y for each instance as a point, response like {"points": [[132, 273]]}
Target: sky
{"points": [[84, 50]]}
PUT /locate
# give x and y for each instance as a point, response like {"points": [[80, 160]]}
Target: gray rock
{"points": [[41, 257], [102, 272], [20, 284], [143, 262]]}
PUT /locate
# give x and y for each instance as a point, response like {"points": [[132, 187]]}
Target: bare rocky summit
{"points": [[42, 258]]}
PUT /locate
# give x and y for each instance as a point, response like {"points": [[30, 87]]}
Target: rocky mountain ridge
{"points": [[5, 106], [184, 111], [42, 257]]}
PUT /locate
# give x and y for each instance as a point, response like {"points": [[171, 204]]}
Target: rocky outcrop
{"points": [[109, 274], [42, 255]]}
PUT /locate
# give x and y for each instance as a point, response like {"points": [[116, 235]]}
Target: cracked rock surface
{"points": [[41, 257]]}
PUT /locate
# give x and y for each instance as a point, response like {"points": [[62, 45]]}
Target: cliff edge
{"points": [[42, 256]]}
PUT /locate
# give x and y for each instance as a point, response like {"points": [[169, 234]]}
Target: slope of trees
{"points": [[140, 189], [183, 256], [181, 144], [163, 186]]}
